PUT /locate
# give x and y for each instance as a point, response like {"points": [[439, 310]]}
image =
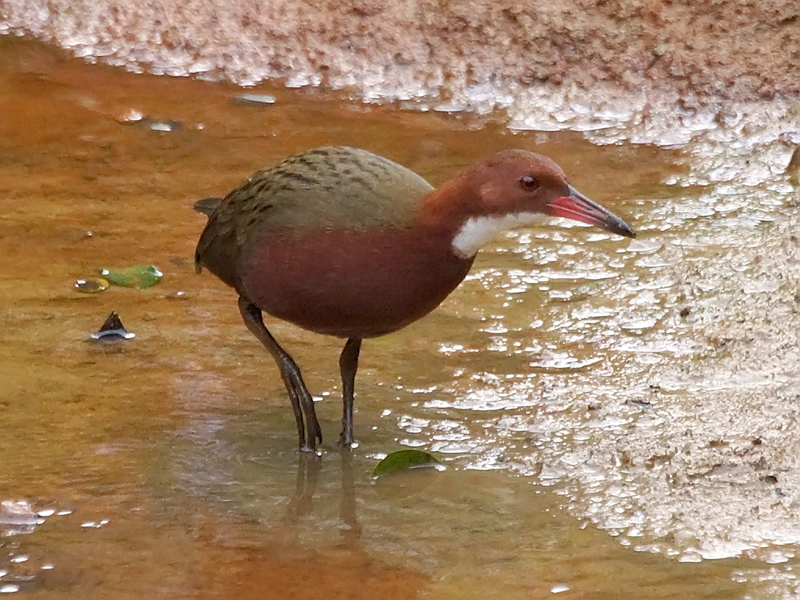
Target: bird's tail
{"points": [[207, 206]]}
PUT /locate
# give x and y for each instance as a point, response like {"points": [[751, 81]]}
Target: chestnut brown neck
{"points": [[448, 207]]}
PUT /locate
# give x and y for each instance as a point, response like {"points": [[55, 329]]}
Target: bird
{"points": [[346, 243]]}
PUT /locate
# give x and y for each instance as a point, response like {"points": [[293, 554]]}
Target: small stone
{"points": [[113, 329], [166, 126], [659, 50], [254, 99], [131, 117], [92, 285]]}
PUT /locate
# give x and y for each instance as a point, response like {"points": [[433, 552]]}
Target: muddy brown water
{"points": [[166, 466]]}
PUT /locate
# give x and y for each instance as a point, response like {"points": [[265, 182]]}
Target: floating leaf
{"points": [[138, 276], [91, 285], [113, 329], [402, 460]]}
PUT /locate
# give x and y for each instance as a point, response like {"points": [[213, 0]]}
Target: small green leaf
{"points": [[402, 460], [138, 276]]}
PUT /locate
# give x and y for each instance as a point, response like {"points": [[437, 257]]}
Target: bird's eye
{"points": [[529, 183]]}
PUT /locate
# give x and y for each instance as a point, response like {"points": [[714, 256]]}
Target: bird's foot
{"points": [[310, 449], [308, 443], [346, 441]]}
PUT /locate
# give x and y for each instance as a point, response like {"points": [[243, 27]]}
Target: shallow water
{"points": [[615, 414]]}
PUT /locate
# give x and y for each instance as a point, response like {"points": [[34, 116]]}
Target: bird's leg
{"points": [[308, 429], [348, 365]]}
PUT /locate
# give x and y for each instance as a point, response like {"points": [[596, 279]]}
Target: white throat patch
{"points": [[479, 230]]}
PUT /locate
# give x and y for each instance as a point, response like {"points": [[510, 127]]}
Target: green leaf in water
{"points": [[138, 276], [402, 460]]}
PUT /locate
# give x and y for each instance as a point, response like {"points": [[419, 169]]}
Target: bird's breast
{"points": [[350, 283]]}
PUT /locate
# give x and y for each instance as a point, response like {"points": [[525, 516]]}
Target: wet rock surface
{"points": [[740, 50]]}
